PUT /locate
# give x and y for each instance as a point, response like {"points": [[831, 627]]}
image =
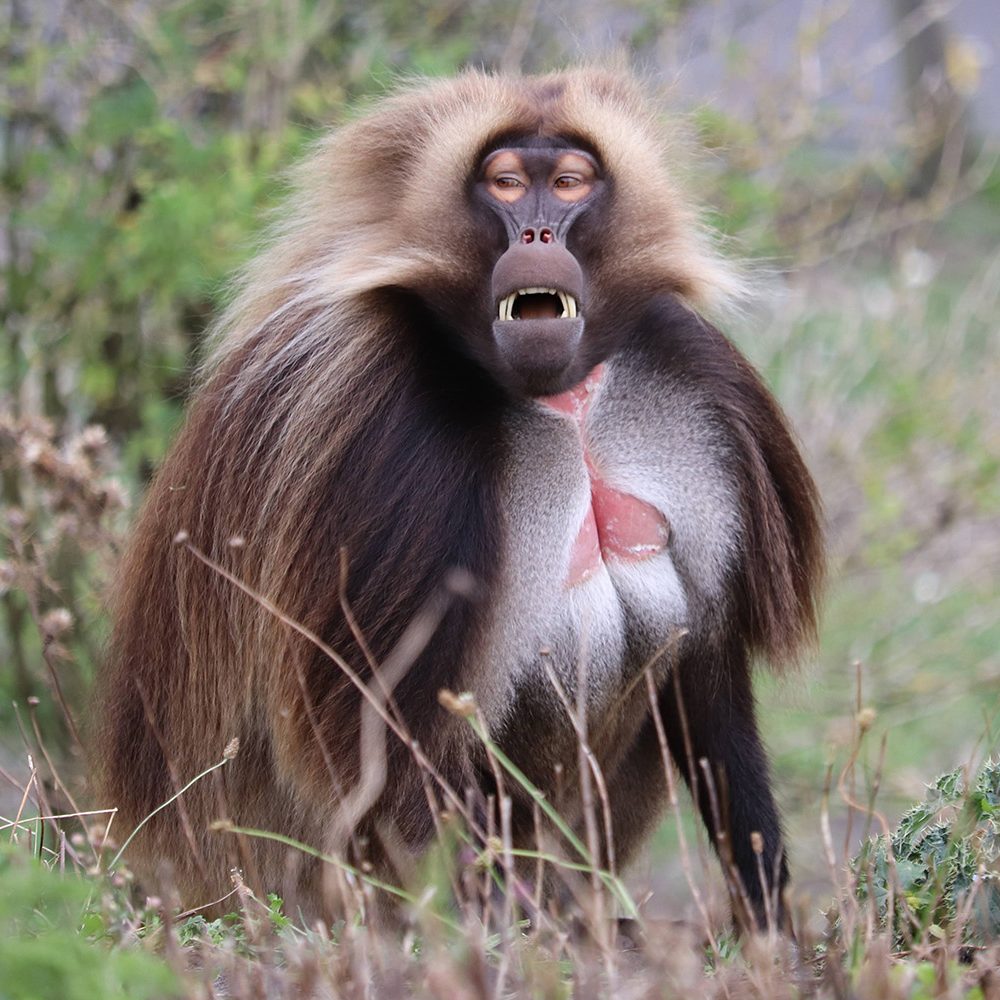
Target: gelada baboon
{"points": [[473, 358]]}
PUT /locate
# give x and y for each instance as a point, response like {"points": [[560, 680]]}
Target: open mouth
{"points": [[538, 303]]}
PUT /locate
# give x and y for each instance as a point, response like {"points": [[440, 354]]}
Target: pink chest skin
{"points": [[617, 525]]}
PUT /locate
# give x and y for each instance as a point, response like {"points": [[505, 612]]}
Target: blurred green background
{"points": [[850, 156]]}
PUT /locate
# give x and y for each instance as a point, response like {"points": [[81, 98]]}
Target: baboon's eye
{"points": [[505, 176], [574, 177]]}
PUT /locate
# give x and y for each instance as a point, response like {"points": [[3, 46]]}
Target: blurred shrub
{"points": [[62, 536], [43, 952]]}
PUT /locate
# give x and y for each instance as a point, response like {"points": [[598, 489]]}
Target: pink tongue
{"points": [[616, 524]]}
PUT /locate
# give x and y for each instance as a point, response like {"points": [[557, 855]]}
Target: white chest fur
{"points": [[654, 440]]}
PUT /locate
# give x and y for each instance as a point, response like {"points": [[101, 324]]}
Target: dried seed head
{"points": [[92, 438], [463, 704], [113, 495], [56, 622], [866, 718]]}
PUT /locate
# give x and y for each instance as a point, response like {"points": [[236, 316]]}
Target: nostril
{"points": [[528, 236], [546, 236]]}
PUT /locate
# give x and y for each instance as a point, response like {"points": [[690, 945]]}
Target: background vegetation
{"points": [[142, 143]]}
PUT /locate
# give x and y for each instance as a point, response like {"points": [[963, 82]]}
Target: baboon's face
{"points": [[538, 285], [539, 206]]}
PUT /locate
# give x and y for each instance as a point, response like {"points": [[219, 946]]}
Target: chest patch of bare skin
{"points": [[616, 526]]}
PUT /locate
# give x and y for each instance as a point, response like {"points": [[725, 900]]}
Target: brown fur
{"points": [[313, 432]]}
